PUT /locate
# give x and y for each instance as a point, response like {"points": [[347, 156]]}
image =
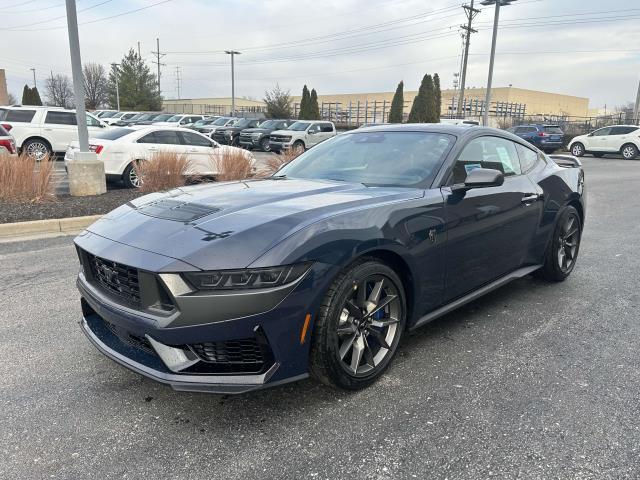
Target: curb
{"points": [[44, 228]]}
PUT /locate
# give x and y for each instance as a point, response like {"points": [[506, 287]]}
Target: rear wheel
{"points": [[562, 251], [577, 149], [359, 326], [130, 177], [629, 151]]}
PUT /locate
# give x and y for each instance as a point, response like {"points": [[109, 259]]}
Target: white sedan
{"points": [[121, 148]]}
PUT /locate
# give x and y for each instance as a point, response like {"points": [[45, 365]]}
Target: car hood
{"points": [[230, 225], [166, 124], [286, 132], [256, 130]]}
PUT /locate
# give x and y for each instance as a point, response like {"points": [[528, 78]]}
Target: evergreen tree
{"points": [[138, 87], [304, 104], [26, 91], [314, 108], [397, 105], [429, 100], [438, 95], [418, 113]]}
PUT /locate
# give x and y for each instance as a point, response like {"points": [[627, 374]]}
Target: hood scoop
{"points": [[170, 209]]}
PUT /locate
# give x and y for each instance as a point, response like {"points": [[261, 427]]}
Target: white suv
{"points": [[301, 135], [42, 131], [623, 139]]}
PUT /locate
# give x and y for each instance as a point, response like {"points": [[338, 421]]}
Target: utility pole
{"points": [[636, 110], [471, 13], [178, 81], [233, 53], [34, 77], [117, 74], [86, 173], [496, 18], [139, 54], [158, 55]]}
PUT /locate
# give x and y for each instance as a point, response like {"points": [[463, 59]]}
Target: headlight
{"points": [[228, 134], [247, 278], [256, 135]]}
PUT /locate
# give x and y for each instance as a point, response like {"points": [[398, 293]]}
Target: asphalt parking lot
{"points": [[533, 381]]}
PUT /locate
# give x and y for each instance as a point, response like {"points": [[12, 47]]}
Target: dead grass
{"points": [[232, 164], [24, 180], [163, 171], [275, 162]]}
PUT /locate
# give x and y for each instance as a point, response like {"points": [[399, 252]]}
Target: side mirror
{"points": [[311, 132], [590, 135], [481, 178]]}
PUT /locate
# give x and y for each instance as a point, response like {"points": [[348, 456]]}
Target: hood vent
{"points": [[176, 210]]}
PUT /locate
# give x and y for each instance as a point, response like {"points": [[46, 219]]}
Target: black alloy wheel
{"points": [[562, 252], [359, 326]]}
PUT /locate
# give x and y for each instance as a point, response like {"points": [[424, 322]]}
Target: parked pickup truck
{"points": [[301, 135], [42, 131], [259, 137]]}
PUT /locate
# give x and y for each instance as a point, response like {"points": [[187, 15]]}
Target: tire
{"points": [[598, 154], [347, 336], [298, 146], [577, 149], [264, 145], [566, 235], [629, 151], [37, 148], [130, 178]]}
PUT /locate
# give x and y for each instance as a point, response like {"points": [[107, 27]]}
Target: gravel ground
{"points": [[534, 381], [66, 206]]}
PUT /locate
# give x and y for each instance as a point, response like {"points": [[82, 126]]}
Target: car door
{"points": [[488, 229], [312, 135], [200, 151], [617, 137], [326, 131], [597, 141], [162, 141], [60, 129]]}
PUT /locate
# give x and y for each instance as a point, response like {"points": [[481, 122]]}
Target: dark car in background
{"points": [[200, 124], [231, 135], [322, 268], [210, 128], [160, 117], [547, 138], [137, 119], [258, 137]]}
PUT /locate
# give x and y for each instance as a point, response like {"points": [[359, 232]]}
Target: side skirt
{"points": [[521, 272]]}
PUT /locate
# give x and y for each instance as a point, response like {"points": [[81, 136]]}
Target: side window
{"points": [[194, 139], [602, 132], [528, 158], [148, 138], [19, 115], [254, 123], [487, 152], [326, 127], [60, 118], [622, 130], [167, 137], [315, 128], [92, 122]]}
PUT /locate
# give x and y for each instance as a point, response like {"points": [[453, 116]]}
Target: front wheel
{"points": [[264, 145], [629, 151], [37, 149], [359, 326], [562, 251], [577, 149], [298, 147]]}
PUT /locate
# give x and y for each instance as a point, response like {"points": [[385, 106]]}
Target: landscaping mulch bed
{"points": [[66, 206]]}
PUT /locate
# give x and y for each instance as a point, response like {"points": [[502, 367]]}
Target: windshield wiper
{"points": [[278, 177]]}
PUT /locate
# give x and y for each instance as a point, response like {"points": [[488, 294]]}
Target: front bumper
{"points": [[277, 329]]}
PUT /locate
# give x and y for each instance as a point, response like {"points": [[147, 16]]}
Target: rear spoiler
{"points": [[567, 161]]}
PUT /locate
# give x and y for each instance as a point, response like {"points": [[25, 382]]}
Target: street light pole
{"points": [[115, 69], [34, 77], [487, 101], [233, 53]]}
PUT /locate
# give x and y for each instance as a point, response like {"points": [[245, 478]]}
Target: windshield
{"points": [[221, 121], [299, 126], [137, 116], [243, 123], [163, 118], [117, 115], [175, 119], [107, 114], [268, 124], [399, 159], [114, 133]]}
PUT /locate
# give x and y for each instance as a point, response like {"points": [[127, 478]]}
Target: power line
{"points": [[159, 64], [16, 27]]}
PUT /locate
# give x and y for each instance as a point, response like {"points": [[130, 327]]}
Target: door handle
{"points": [[529, 199]]}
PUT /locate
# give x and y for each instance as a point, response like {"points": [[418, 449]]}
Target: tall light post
{"points": [[498, 4], [116, 74], [86, 173], [233, 53], [34, 77]]}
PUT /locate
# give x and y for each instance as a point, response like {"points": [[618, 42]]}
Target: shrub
{"points": [[275, 162], [22, 179], [232, 164], [163, 171]]}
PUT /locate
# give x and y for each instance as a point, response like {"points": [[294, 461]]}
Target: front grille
{"points": [[238, 355], [116, 278], [245, 137], [280, 138]]}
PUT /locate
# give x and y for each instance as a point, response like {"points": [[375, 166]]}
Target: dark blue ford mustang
{"points": [[321, 268]]}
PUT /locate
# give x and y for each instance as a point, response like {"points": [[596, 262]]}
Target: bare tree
{"points": [[95, 85], [278, 103], [59, 91], [13, 100]]}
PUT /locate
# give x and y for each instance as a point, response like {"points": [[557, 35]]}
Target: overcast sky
{"points": [[587, 48]]}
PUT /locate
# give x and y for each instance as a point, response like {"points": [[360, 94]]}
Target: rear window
{"points": [[3, 132], [552, 129], [20, 115], [114, 134]]}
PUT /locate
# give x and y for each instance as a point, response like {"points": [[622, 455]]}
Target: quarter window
{"points": [[622, 130], [487, 152], [19, 115], [326, 128]]}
